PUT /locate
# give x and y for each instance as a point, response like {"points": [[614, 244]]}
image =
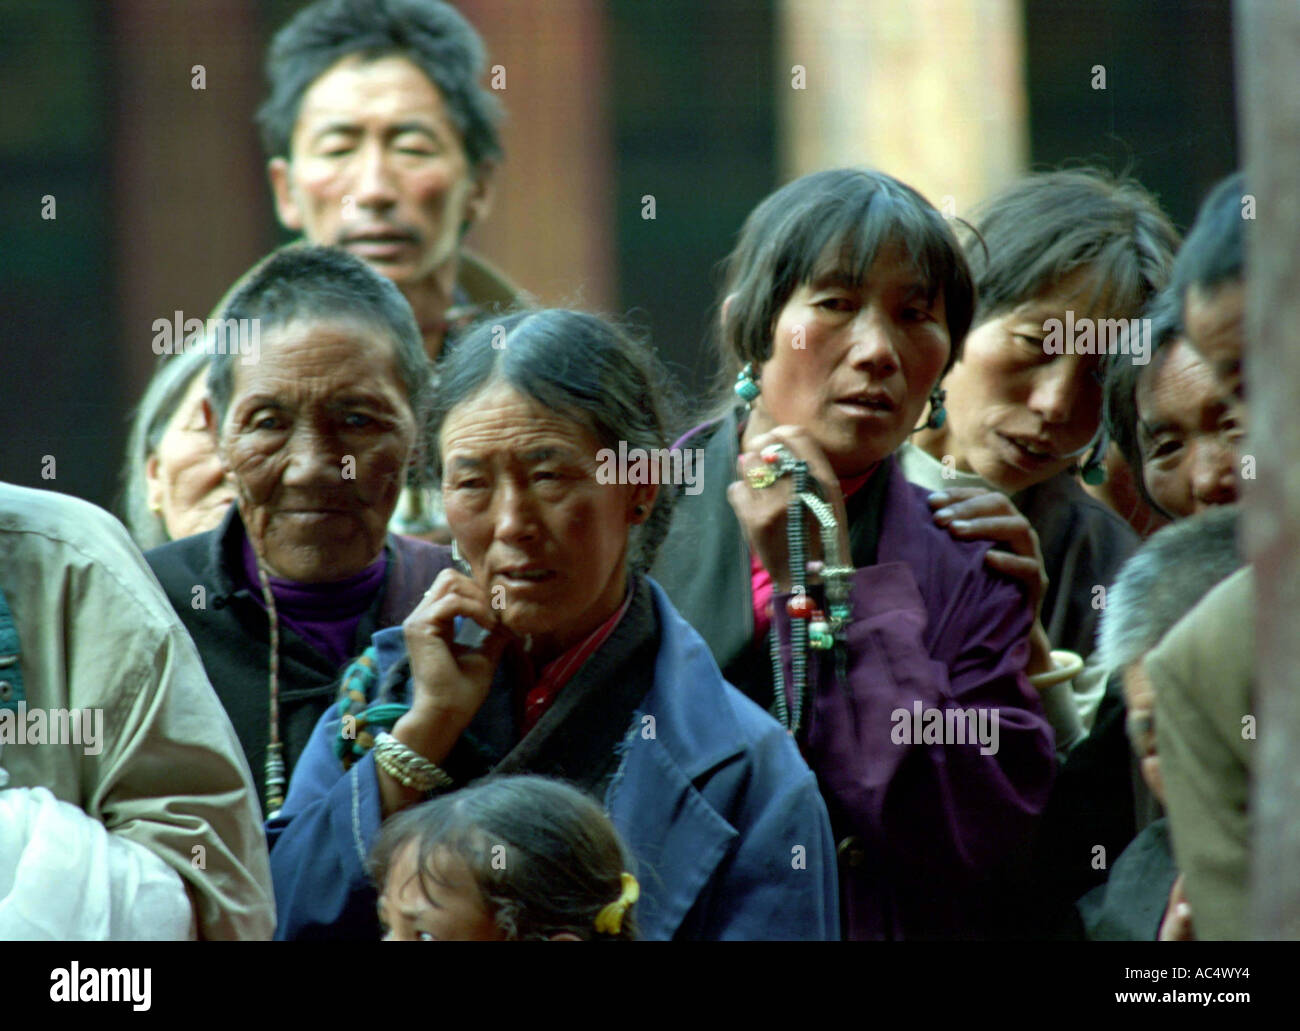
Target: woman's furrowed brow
{"points": [[545, 453], [362, 400]]}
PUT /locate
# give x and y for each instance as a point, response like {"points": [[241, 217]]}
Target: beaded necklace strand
{"points": [[809, 627], [275, 779]]}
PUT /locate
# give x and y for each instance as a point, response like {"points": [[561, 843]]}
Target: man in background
{"points": [[383, 141]]}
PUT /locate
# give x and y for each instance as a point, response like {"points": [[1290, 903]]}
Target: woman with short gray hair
{"points": [[317, 416]]}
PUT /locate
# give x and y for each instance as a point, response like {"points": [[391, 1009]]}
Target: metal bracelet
{"points": [[407, 766]]}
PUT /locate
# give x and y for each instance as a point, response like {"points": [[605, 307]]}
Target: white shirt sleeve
{"points": [[1071, 706], [63, 877]]}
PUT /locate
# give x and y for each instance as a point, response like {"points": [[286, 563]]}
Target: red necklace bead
{"points": [[800, 606]]}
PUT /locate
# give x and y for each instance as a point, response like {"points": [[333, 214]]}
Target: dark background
{"points": [[160, 206]]}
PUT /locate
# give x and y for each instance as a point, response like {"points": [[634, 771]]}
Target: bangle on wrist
{"points": [[1065, 666], [406, 766]]}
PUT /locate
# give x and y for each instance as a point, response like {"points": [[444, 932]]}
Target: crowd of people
{"points": [[943, 638]]}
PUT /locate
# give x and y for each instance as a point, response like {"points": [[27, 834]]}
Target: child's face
{"points": [[451, 911]]}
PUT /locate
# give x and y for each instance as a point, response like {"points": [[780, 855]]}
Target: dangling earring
{"points": [[746, 385], [1093, 470], [938, 414], [1093, 475]]}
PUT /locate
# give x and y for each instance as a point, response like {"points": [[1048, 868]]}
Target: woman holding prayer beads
{"points": [[846, 299]]}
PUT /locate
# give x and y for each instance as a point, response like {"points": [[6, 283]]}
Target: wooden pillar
{"points": [[551, 224], [1268, 53], [190, 203], [931, 92]]}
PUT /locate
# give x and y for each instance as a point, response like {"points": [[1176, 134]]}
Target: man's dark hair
{"points": [[431, 34], [1215, 249], [1124, 377], [854, 213], [322, 283], [1042, 228], [581, 367]]}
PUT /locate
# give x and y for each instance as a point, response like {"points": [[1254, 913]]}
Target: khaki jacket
{"points": [[1203, 675], [94, 632]]}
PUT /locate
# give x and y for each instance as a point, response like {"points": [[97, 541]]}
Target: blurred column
{"points": [[190, 202], [550, 229], [931, 91], [1268, 50]]}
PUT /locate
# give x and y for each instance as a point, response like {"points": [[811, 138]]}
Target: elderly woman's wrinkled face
{"points": [[544, 537], [319, 433], [1187, 435], [445, 907], [1018, 414], [185, 481], [853, 363]]}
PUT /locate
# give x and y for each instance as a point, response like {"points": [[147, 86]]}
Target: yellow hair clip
{"points": [[610, 919]]}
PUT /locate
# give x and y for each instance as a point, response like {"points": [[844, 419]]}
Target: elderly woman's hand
{"points": [[762, 511], [975, 514], [450, 682]]}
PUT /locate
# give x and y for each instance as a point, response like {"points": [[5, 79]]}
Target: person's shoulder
{"points": [[420, 553], [184, 558], [947, 558], [67, 524], [924, 470], [1206, 662], [1216, 636], [706, 719], [414, 565], [954, 580], [487, 285], [76, 542], [1062, 496]]}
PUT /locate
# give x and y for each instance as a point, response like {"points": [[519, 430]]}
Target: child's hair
{"points": [[545, 857]]}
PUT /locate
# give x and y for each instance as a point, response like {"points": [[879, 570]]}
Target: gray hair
{"points": [[171, 379], [323, 283], [1163, 580]]}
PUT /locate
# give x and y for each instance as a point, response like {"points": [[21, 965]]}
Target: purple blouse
{"points": [[936, 650], [325, 615]]}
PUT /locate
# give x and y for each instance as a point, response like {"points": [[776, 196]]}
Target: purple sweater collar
{"points": [[326, 615]]}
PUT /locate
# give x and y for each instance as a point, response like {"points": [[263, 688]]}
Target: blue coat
{"points": [[729, 831]]}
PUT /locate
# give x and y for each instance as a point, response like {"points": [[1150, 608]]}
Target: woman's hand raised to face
{"points": [[975, 514], [450, 682], [762, 511]]}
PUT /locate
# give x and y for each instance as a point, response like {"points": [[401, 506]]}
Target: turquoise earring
{"points": [[1093, 475], [746, 385], [938, 414]]}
